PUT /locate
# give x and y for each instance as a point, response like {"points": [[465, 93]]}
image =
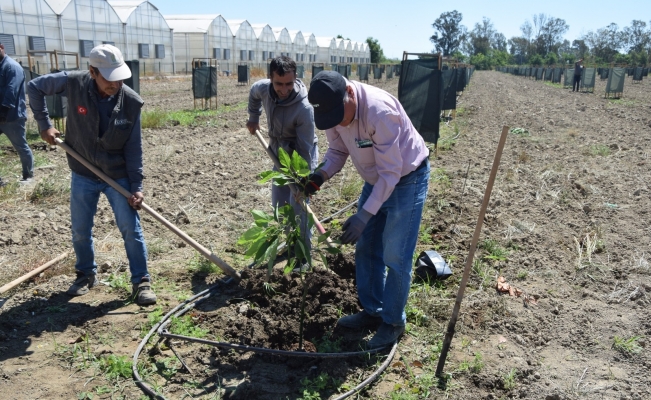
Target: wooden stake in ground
{"points": [[471, 254], [32, 273], [204, 251]]}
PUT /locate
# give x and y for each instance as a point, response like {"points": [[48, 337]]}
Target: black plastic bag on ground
{"points": [[431, 266]]}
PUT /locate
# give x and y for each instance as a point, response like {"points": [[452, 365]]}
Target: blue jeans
{"points": [[15, 131], [84, 195], [384, 251]]}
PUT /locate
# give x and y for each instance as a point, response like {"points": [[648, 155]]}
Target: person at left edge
{"points": [[103, 126], [13, 112]]}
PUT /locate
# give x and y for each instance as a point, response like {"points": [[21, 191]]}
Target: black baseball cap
{"points": [[327, 91]]}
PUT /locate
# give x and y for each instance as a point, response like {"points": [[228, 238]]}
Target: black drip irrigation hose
{"points": [[189, 304]]}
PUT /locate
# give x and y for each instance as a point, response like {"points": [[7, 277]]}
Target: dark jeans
{"points": [[577, 81]]}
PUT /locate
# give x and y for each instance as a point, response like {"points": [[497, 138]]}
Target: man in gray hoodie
{"points": [[290, 120]]}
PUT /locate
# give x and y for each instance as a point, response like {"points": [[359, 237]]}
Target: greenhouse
{"points": [[340, 51], [311, 46], [148, 37], [200, 36], [348, 51], [284, 44], [298, 45], [326, 49], [244, 40], [266, 44]]}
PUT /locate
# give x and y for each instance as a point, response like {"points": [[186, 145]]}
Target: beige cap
{"points": [[108, 59]]}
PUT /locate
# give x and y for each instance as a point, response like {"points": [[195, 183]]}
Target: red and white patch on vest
{"points": [[81, 110]]}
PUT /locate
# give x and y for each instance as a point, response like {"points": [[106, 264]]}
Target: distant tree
{"points": [[551, 59], [518, 49], [604, 43], [449, 33], [637, 37], [377, 54], [499, 42], [579, 48], [339, 37], [536, 60], [481, 38]]}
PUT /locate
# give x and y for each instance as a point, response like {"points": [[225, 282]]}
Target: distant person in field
{"points": [[103, 126], [370, 126], [577, 75], [13, 112], [290, 121]]}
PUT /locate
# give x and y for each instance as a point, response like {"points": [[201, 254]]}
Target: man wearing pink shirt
{"points": [[370, 126]]}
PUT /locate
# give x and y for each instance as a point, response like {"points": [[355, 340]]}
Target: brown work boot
{"points": [[82, 284], [142, 294]]}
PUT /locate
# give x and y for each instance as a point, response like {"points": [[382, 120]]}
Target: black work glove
{"points": [[312, 183], [354, 226]]}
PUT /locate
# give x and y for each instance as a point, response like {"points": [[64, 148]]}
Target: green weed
{"points": [[168, 367], [158, 118], [509, 379], [425, 236], [627, 346], [327, 344], [202, 265], [441, 178], [311, 388], [350, 190], [483, 272], [47, 188], [599, 150], [520, 131], [185, 326], [114, 367], [494, 251], [522, 274], [119, 281]]}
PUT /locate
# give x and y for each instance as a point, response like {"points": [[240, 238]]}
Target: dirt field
{"points": [[568, 224]]}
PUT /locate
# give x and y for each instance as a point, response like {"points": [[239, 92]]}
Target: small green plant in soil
{"points": [[264, 239], [509, 379], [186, 326], [627, 346], [311, 388], [520, 131], [114, 367], [599, 150], [494, 251]]}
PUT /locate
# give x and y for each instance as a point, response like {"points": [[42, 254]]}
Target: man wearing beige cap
{"points": [[103, 125]]}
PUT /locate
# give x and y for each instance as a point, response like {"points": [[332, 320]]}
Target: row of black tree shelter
{"points": [[427, 87], [615, 76]]}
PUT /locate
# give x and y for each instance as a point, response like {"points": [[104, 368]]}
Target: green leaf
{"points": [[281, 181], [271, 254], [255, 247], [298, 162], [324, 237], [332, 250], [284, 159], [250, 235], [261, 218], [268, 175], [303, 172], [288, 267]]}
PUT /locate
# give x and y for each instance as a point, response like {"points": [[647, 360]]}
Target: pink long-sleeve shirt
{"points": [[397, 149]]}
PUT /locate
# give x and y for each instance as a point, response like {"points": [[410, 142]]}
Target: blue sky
{"points": [[407, 25]]}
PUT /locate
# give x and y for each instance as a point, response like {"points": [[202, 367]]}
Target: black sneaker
{"points": [[82, 284], [359, 321], [386, 335], [142, 293]]}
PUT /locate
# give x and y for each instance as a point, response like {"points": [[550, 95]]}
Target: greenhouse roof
{"points": [[278, 31], [258, 28], [58, 6], [293, 34], [190, 23], [124, 8], [323, 41], [235, 25]]}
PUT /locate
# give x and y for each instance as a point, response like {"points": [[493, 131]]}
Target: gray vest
{"points": [[82, 127]]}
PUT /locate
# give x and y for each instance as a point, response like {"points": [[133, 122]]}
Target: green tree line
{"points": [[542, 42]]}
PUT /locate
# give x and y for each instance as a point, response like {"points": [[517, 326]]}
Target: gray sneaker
{"points": [[26, 181], [359, 321], [386, 335], [142, 293], [82, 284]]}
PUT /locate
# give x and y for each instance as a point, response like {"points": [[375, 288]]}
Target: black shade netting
{"points": [[204, 82], [588, 78], [243, 74], [449, 77], [616, 78], [420, 91], [637, 74]]}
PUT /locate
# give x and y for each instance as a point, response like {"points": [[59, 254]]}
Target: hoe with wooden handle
{"points": [[204, 251]]}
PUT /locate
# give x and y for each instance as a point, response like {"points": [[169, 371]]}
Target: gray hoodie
{"points": [[290, 122]]}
